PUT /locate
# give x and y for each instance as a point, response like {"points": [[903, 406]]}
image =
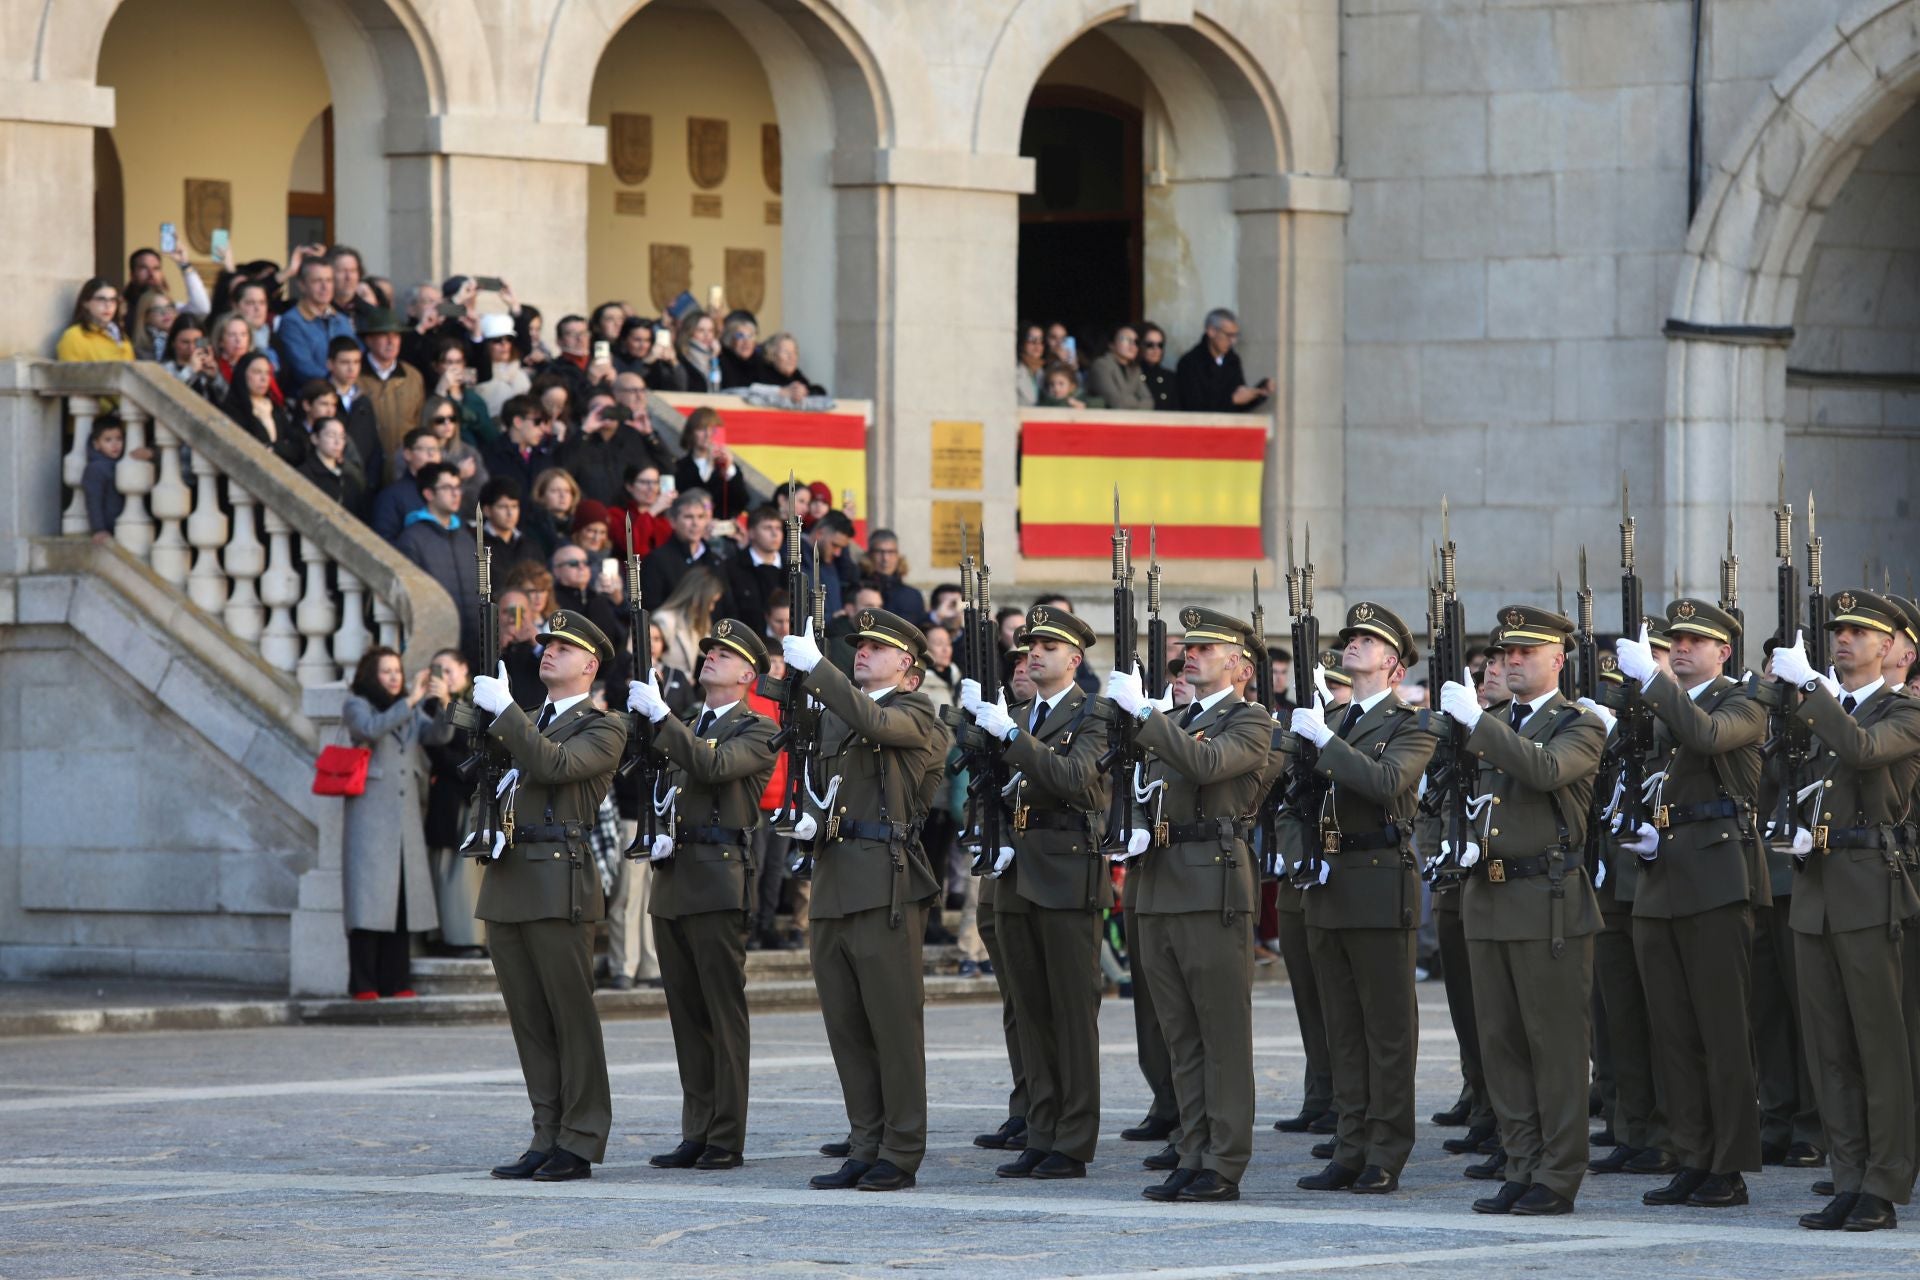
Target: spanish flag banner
{"points": [[829, 446], [1198, 477]]}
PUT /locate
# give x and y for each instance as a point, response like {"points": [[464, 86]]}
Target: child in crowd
{"points": [[105, 446]]}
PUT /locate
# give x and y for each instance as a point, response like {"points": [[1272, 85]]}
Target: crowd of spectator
{"points": [[1132, 373]]}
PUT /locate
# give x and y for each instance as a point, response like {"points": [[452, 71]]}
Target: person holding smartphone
{"points": [[708, 465], [1209, 377]]}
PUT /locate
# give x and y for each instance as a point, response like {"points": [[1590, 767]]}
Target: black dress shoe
{"points": [[843, 1179], [1684, 1184], [681, 1157], [1824, 1187], [1804, 1155], [1060, 1166], [1541, 1202], [998, 1140], [1152, 1130], [525, 1167], [1455, 1116], [1603, 1138], [1300, 1123], [1653, 1163], [1165, 1158], [1021, 1167], [564, 1166], [1720, 1191], [1615, 1161], [884, 1177], [1871, 1213], [1772, 1153], [1833, 1217], [1210, 1186], [1176, 1183], [1335, 1177], [1503, 1200], [1492, 1169], [1469, 1142], [1326, 1122], [836, 1150], [1375, 1181], [718, 1158]]}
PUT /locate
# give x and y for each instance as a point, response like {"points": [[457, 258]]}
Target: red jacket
{"points": [[776, 793], [649, 530]]}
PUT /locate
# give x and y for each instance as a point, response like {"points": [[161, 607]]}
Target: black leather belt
{"points": [[1500, 870], [884, 832], [1194, 832], [1031, 819], [1678, 815], [1828, 838], [713, 835], [549, 832], [1366, 842]]}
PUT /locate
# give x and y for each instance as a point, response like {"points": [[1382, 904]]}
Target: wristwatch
{"points": [[1810, 685], [1146, 709], [1011, 733]]}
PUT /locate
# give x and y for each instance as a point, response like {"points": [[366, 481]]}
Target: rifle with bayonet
{"points": [[1306, 789], [1592, 663], [1730, 601], [1267, 819], [643, 754], [1568, 688], [1635, 724], [1456, 770], [1789, 749], [1124, 754], [490, 819], [799, 734], [981, 756]]}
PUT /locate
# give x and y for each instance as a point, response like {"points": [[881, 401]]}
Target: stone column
{"points": [[46, 218], [317, 932], [30, 462], [494, 196], [944, 341]]}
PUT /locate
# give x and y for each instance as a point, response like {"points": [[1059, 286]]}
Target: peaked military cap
{"points": [[1859, 608], [1330, 663], [731, 633], [1911, 609], [1367, 618], [1522, 627], [1050, 622], [1691, 617], [890, 628], [575, 629], [1210, 626], [1657, 633]]}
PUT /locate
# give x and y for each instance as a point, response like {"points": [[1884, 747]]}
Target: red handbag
{"points": [[341, 771]]}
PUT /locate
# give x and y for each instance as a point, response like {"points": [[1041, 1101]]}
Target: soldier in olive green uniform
{"points": [[702, 888], [1012, 1133], [1197, 898], [871, 885], [1530, 913], [541, 898], [1899, 670], [1850, 898], [1052, 886], [1362, 912], [1635, 1119]]}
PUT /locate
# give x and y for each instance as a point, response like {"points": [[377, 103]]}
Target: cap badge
{"points": [[1845, 601], [1038, 617], [724, 628], [1363, 612], [560, 622], [1608, 662], [1684, 609], [866, 621], [1190, 618], [1513, 618]]}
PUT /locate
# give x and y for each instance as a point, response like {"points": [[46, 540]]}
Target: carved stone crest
{"points": [[669, 273], [209, 207], [630, 146], [707, 151], [746, 278]]}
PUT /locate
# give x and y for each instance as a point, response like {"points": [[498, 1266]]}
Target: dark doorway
{"points": [[1080, 230], [109, 210]]}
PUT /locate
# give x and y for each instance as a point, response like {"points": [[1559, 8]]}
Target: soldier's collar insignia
{"points": [[1190, 618], [1513, 617], [1845, 602], [866, 622], [1684, 609], [1363, 612]]}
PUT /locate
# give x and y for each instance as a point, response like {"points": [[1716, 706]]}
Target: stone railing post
{"points": [[172, 502], [280, 592], [315, 617], [73, 467], [317, 933], [133, 477], [207, 531]]}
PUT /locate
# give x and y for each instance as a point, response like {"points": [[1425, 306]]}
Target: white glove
{"points": [[1164, 703], [806, 828], [1326, 869], [1137, 842], [1125, 689], [1802, 842], [1320, 685], [969, 695], [1645, 843], [646, 699], [1607, 717], [1636, 657], [490, 693], [662, 848], [800, 651], [1459, 701], [507, 781], [1001, 863], [994, 719], [1468, 858], [1790, 663], [1311, 723], [1600, 876]]}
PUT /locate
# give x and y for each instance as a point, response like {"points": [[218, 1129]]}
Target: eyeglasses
{"points": [[447, 487], [569, 564], [104, 297], [441, 419], [1033, 340], [1151, 345]]}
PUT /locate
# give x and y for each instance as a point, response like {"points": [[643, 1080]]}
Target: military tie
{"points": [[706, 723], [1519, 714], [1038, 718], [1848, 703], [1191, 714], [546, 717], [1350, 719]]}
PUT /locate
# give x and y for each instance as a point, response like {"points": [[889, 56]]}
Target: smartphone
{"points": [[169, 237], [609, 575], [716, 298], [602, 353], [846, 499], [617, 413], [1070, 347], [218, 244], [662, 337], [450, 310], [487, 284], [719, 436], [201, 344], [668, 485]]}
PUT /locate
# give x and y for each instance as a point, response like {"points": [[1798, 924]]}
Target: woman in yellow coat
{"points": [[94, 333]]}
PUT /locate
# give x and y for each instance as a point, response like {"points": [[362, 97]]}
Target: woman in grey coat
{"points": [[1117, 378], [389, 885]]}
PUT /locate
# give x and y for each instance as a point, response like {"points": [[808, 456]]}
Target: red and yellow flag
{"points": [[1200, 482], [830, 446]]}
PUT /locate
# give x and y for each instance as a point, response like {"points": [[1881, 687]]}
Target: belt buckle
{"points": [[833, 827], [1820, 839], [1329, 840], [1020, 817], [506, 826], [1663, 817], [1162, 835], [1497, 871]]}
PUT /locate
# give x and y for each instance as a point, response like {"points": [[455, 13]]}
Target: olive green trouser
{"points": [[873, 1000], [545, 970]]}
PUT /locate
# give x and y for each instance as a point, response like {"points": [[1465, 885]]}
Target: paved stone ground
{"points": [[332, 1151]]}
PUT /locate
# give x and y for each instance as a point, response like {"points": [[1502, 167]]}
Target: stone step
{"points": [[446, 976], [762, 997]]}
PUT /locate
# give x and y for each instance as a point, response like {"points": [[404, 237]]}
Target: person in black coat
{"points": [[598, 457], [1160, 379], [1209, 377], [330, 468], [456, 878], [573, 571], [251, 405], [706, 466], [436, 540]]}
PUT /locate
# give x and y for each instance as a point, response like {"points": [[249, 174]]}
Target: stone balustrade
{"points": [[286, 571]]}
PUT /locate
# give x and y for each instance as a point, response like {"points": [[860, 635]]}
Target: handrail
{"points": [[190, 527]]}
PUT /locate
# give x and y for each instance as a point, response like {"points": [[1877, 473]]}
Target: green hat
{"points": [[575, 629], [382, 320], [1210, 626], [1367, 618], [1912, 610], [1330, 663], [1861, 608], [1657, 633], [890, 628], [740, 639], [1691, 617], [1046, 622], [1522, 627]]}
